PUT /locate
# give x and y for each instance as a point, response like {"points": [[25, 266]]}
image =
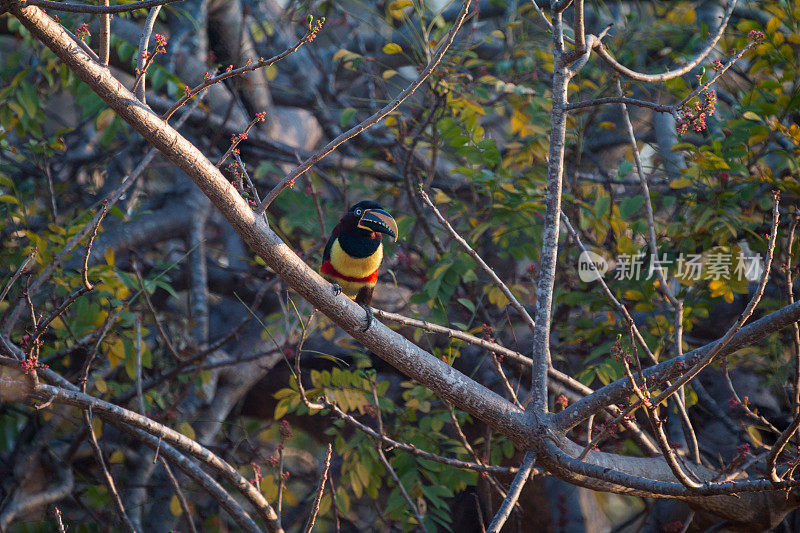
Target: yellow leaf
{"points": [[607, 125], [680, 183], [116, 457], [344, 54], [101, 318], [116, 353], [97, 426], [186, 429], [392, 48], [441, 198], [104, 119], [175, 506], [400, 4], [101, 385], [109, 256], [388, 74], [271, 71], [773, 24], [269, 488], [497, 297]]}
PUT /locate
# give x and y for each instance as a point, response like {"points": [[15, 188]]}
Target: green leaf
{"points": [[629, 206], [601, 206], [749, 115], [347, 116], [468, 304]]}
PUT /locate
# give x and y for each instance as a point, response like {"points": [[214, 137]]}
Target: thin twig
{"points": [[179, 493], [523, 313], [444, 45], [59, 522], [17, 274], [209, 81], [320, 489], [239, 138], [88, 250], [388, 466], [109, 481], [744, 404], [467, 446], [138, 348], [334, 505], [144, 59], [159, 326], [790, 301], [778, 447]]}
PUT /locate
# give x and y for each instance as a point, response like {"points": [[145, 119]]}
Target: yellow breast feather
{"points": [[355, 267]]}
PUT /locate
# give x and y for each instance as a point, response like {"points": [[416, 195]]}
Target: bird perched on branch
{"points": [[355, 251]]}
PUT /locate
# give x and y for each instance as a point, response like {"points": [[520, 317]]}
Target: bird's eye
{"points": [[358, 212]]}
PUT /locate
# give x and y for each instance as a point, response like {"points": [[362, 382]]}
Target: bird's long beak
{"points": [[380, 221]]}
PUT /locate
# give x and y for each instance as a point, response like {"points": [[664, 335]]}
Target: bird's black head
{"points": [[370, 216]]}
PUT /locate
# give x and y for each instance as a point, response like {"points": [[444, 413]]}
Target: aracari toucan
{"points": [[355, 250]]}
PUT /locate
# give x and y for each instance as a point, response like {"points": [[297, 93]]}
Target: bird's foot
{"points": [[337, 290], [368, 311]]}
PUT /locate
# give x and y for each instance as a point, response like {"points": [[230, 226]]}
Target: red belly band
{"points": [[328, 270]]}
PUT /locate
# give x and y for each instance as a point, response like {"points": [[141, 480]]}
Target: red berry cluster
{"points": [[487, 332], [244, 188], [313, 28], [694, 116], [285, 430], [756, 36], [619, 353], [83, 31], [743, 449], [31, 364], [256, 479]]}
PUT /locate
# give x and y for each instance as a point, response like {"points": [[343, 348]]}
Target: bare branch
{"points": [[105, 37], [121, 417], [96, 10], [638, 76], [523, 474], [444, 45]]}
